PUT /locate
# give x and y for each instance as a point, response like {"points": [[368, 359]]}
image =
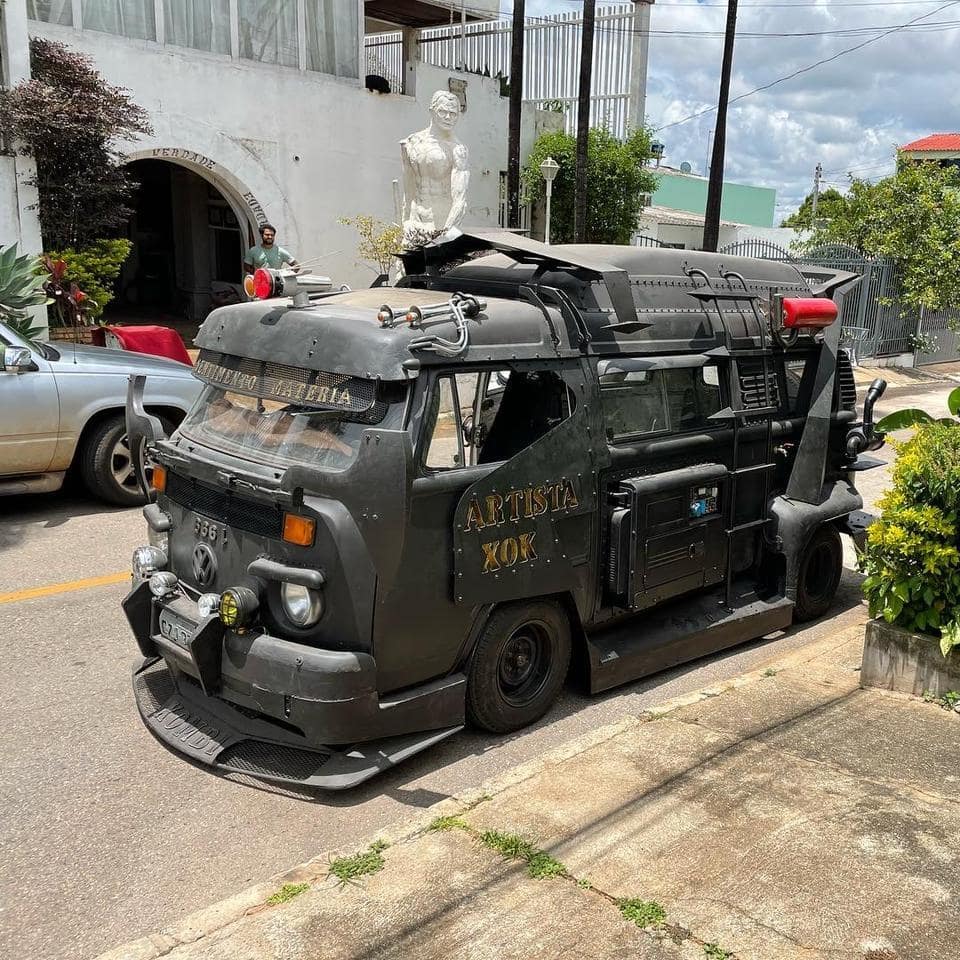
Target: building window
{"points": [[198, 24], [125, 18], [268, 31], [51, 11], [333, 37]]}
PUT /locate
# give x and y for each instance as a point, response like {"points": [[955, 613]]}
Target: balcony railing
{"points": [[317, 35]]}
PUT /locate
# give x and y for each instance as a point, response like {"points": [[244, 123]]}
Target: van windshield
{"points": [[272, 431]]}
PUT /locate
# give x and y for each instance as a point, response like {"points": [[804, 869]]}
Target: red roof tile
{"points": [[936, 141]]}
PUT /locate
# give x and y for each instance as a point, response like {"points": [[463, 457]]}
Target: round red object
{"points": [[262, 284]]}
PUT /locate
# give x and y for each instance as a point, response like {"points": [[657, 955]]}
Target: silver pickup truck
{"points": [[61, 406]]}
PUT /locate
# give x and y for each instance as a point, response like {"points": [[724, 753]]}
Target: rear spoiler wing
{"points": [[825, 281]]}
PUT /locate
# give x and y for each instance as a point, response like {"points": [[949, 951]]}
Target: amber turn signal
{"points": [[158, 479], [299, 530]]}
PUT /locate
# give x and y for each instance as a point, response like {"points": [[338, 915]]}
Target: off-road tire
{"points": [[821, 567], [96, 457], [493, 702]]}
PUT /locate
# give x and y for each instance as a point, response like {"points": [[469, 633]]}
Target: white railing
{"points": [[551, 73]]}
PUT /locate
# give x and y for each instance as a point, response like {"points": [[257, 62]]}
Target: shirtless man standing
{"points": [[435, 174]]}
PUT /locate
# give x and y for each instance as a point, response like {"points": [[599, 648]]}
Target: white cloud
{"points": [[846, 115]]}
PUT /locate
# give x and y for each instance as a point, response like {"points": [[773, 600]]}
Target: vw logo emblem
{"points": [[204, 565]]}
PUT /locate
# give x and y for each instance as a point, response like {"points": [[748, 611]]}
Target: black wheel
{"points": [[821, 567], [518, 666], [106, 463]]}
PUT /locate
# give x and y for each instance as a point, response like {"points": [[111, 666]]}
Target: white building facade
{"points": [[260, 113]]}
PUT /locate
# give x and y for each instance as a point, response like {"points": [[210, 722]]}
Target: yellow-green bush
{"points": [[911, 558], [94, 269]]}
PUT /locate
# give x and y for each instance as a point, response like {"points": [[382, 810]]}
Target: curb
{"points": [[209, 920]]}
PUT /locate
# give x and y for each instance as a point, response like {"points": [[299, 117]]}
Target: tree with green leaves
{"points": [[829, 201], [617, 178], [70, 120], [912, 217]]}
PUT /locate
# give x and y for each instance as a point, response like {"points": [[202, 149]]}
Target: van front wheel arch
{"points": [[519, 665]]}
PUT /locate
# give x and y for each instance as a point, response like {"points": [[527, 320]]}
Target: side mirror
{"points": [[142, 428], [17, 360]]}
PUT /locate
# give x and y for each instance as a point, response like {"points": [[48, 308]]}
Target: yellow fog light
{"points": [[238, 606]]}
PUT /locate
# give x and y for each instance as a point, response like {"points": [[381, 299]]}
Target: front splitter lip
{"points": [[211, 732]]}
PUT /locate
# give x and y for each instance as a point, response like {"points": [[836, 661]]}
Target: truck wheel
{"points": [[821, 567], [106, 463], [519, 665]]}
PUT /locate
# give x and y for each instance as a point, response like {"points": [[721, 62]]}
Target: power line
{"points": [[809, 67]]}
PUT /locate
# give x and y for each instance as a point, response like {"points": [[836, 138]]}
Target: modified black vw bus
{"points": [[398, 510]]}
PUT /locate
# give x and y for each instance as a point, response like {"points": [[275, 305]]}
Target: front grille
{"points": [[751, 373], [846, 385], [225, 506], [153, 688], [270, 760]]}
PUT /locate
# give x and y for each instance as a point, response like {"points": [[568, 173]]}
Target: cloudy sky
{"points": [[847, 114]]}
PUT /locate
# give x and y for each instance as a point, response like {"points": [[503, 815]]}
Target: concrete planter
{"points": [[895, 659]]}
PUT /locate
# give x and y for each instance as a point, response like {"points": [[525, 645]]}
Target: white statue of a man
{"points": [[435, 174]]}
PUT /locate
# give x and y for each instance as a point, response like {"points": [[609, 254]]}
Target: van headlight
{"points": [[147, 561], [302, 606]]}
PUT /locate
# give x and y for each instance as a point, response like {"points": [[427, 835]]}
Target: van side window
{"points": [[641, 402], [450, 404], [490, 416]]}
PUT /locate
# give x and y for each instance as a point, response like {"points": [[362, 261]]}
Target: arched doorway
{"points": [[189, 236]]}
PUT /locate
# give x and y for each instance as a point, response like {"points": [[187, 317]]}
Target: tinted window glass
{"points": [[651, 401]]}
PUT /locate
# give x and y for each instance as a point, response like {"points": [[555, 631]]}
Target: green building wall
{"points": [[741, 203]]}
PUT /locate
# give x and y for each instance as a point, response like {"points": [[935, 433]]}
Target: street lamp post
{"points": [[548, 170]]}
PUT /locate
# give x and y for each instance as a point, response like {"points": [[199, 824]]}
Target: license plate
{"points": [[176, 628]]}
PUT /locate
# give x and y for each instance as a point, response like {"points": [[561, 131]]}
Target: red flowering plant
{"points": [[68, 303]]}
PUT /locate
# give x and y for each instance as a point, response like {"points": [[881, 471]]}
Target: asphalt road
{"points": [[106, 836]]}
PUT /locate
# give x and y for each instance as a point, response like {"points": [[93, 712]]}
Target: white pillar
{"points": [[21, 222], [638, 62]]}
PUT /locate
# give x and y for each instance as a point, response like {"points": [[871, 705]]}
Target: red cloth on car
{"points": [[158, 341]]}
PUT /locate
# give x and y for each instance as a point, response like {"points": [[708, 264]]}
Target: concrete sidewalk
{"points": [[786, 814]]}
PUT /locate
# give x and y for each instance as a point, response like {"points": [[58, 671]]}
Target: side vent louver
{"points": [[846, 385], [750, 370]]}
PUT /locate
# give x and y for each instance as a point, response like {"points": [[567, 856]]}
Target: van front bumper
{"points": [[261, 705]]}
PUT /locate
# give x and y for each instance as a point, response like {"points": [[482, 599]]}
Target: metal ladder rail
{"points": [[740, 413]]}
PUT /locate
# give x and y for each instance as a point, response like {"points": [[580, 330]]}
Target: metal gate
{"points": [[873, 320], [938, 330]]}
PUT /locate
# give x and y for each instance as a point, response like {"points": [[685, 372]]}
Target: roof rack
{"points": [[432, 258]]}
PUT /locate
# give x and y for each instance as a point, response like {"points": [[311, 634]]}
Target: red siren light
{"points": [[808, 312], [262, 284]]}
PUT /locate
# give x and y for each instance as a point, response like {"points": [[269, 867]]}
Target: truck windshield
{"points": [[271, 431]]}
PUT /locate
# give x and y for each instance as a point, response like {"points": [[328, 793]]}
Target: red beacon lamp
{"points": [[267, 284], [802, 314]]}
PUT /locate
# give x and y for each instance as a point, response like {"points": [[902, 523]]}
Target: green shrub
{"points": [[911, 557], [21, 287], [94, 269]]}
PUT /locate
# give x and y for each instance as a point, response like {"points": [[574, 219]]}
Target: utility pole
{"points": [[817, 174], [711, 223], [583, 121], [516, 102]]}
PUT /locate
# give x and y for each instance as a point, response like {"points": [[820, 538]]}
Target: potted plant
{"points": [[912, 562]]}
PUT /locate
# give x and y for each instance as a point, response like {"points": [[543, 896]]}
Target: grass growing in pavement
{"points": [[713, 952], [512, 847], [770, 672], [349, 869], [287, 892], [644, 913], [449, 823]]}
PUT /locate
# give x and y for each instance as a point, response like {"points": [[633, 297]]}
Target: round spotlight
{"points": [[164, 583], [147, 561], [238, 605], [208, 603]]}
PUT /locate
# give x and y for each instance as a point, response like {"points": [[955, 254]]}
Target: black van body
{"points": [[609, 454]]}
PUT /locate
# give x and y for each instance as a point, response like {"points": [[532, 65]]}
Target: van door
{"points": [[665, 501]]}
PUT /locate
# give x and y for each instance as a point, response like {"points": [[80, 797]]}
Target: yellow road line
{"points": [[55, 588]]}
